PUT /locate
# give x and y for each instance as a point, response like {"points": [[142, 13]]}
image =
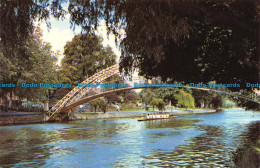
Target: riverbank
{"points": [[129, 114], [12, 118]]}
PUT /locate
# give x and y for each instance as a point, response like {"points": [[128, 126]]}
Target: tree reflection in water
{"points": [[16, 146], [248, 153], [206, 150], [26, 146]]}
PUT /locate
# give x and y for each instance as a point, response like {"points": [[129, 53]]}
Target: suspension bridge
{"points": [[80, 95]]}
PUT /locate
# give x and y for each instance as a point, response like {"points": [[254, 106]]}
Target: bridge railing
{"points": [[81, 91]]}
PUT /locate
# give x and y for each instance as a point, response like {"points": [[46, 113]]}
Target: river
{"points": [[205, 140]]}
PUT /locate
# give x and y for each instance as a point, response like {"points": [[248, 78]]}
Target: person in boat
{"points": [[154, 116], [148, 116]]}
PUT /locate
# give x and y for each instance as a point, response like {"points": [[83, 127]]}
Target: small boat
{"points": [[158, 116]]}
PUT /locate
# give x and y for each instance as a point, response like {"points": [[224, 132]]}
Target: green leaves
{"points": [[100, 102], [185, 99], [84, 56], [36, 66], [159, 103]]}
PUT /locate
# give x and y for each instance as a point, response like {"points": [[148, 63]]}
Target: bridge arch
{"points": [[86, 99], [75, 97]]}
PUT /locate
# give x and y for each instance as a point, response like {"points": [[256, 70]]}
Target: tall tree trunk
{"points": [[46, 105], [10, 99]]}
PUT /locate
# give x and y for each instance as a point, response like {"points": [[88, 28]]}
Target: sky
{"points": [[61, 32]]}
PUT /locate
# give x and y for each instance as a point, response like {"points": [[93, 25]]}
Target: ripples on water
{"points": [[189, 141]]}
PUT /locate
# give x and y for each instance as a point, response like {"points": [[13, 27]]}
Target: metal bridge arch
{"points": [[78, 92], [84, 100], [75, 98]]}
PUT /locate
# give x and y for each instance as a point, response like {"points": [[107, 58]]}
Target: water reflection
{"points": [[82, 132], [170, 123], [206, 150], [25, 144], [217, 140], [248, 153]]}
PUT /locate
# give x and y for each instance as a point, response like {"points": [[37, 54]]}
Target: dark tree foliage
{"points": [[16, 22], [184, 41], [247, 154], [193, 41], [216, 102], [130, 97], [113, 98]]}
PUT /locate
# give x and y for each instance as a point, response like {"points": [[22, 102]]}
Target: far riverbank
{"points": [[13, 118], [128, 114]]}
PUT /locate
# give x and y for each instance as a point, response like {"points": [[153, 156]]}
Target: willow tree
{"points": [[185, 99], [183, 41]]}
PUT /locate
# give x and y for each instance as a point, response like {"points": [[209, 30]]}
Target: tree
{"points": [[17, 24], [217, 101], [112, 98], [37, 67], [159, 103], [202, 98], [84, 56], [167, 94], [94, 103], [186, 41], [185, 99], [193, 41], [147, 96], [100, 102], [130, 97], [153, 103], [183, 40]]}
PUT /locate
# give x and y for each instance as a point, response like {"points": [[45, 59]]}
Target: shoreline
{"points": [[15, 118], [131, 114]]}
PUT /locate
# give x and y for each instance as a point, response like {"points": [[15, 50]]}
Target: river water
{"points": [[207, 140]]}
